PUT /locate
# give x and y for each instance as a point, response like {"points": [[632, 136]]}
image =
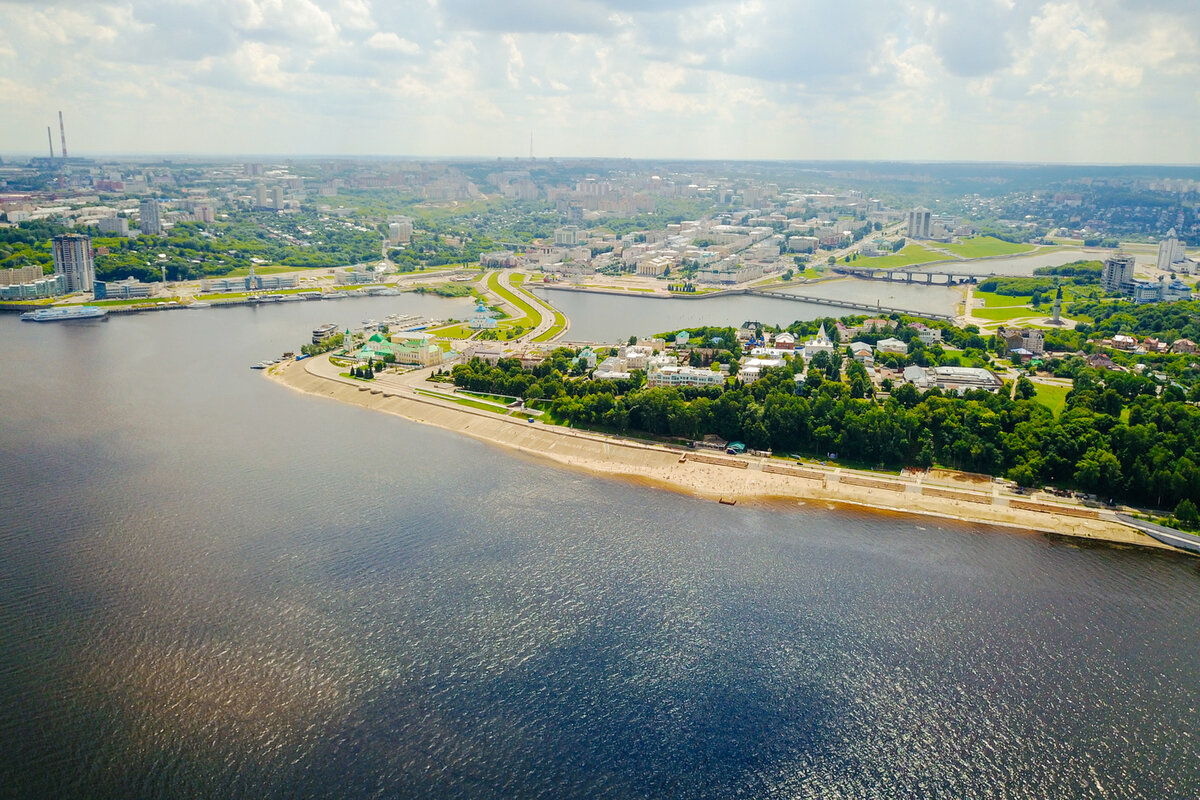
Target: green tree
{"points": [[1187, 514]]}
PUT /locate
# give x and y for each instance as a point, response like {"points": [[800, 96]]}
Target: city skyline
{"points": [[1079, 81]]}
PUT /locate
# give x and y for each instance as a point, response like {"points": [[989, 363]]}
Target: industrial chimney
{"points": [[62, 130]]}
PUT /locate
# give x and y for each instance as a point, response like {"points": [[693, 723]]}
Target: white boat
{"points": [[65, 314]]}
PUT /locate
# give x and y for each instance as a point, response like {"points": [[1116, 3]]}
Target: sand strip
{"points": [[709, 477]]}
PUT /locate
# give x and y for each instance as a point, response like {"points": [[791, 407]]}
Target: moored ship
{"points": [[65, 314]]}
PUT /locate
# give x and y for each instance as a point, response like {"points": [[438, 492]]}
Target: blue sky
{"points": [[1016, 80]]}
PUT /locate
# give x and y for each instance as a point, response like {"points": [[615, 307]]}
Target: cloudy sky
{"points": [[1018, 80]]}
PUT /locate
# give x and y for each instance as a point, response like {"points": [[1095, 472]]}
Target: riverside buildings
{"points": [[1117, 276], [28, 283]]}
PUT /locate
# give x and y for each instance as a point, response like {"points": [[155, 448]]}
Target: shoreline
{"points": [[715, 477]]}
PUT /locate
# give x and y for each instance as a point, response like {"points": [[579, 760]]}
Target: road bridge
{"points": [[875, 308], [927, 277]]}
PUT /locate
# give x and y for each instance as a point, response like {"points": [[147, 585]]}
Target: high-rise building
{"points": [[151, 220], [73, 260], [277, 198], [1117, 274], [260, 196], [567, 235], [1170, 251], [400, 229], [920, 222]]}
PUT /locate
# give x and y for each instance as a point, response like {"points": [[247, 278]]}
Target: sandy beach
{"points": [[713, 476]]}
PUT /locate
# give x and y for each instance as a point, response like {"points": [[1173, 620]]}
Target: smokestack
{"points": [[62, 130], [50, 139]]}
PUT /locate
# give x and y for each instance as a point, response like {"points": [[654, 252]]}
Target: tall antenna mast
{"points": [[62, 130], [50, 139]]}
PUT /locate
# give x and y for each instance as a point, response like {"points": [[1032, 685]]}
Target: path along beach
{"points": [[717, 477]]}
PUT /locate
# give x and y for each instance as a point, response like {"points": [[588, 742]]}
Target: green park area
{"points": [[456, 331], [266, 269], [465, 401], [984, 246], [910, 255], [1052, 397], [1000, 308], [532, 317]]}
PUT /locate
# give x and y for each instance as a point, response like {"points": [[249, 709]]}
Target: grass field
{"points": [[1052, 397], [269, 269], [532, 317], [463, 401], [911, 254], [495, 398], [459, 331], [135, 301], [555, 329], [983, 246], [993, 300], [1003, 314]]}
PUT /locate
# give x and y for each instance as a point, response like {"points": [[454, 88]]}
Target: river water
{"points": [[216, 587]]}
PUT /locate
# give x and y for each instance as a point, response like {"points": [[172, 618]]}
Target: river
{"points": [[216, 587]]}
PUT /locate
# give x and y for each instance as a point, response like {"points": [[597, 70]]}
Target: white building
{"points": [[400, 229], [892, 345], [654, 267], [567, 236], [821, 343], [751, 368], [1171, 255], [682, 376], [920, 221], [73, 260]]}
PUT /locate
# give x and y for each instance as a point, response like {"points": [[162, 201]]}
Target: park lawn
{"points": [[135, 301], [984, 246], [1052, 397], [993, 300], [460, 331], [463, 401], [911, 254], [268, 269], [1003, 314], [495, 398]]}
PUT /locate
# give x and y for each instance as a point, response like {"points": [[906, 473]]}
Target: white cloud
{"points": [[393, 42], [979, 79]]}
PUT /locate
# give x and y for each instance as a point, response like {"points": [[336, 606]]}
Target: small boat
{"points": [[723, 501], [199, 304]]}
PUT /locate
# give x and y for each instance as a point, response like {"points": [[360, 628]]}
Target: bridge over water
{"points": [[875, 308], [948, 278]]}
